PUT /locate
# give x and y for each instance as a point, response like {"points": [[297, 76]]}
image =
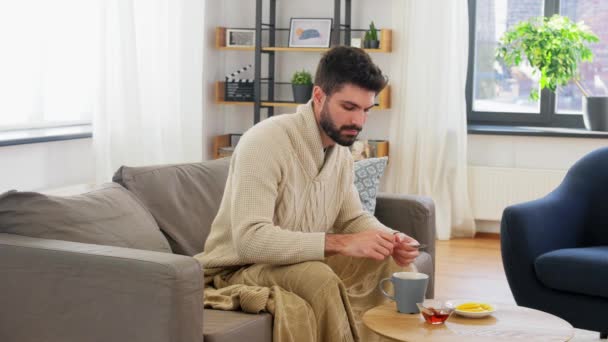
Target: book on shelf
{"points": [[223, 145], [225, 151]]}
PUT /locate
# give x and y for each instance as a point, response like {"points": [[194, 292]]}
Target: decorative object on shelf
{"points": [[355, 42], [378, 148], [310, 32], [301, 84], [237, 89], [234, 139], [240, 38], [363, 149], [371, 38], [223, 145], [554, 47]]}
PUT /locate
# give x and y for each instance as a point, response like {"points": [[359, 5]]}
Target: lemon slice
{"points": [[471, 308]]}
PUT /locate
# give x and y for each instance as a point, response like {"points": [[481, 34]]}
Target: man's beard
{"points": [[329, 127]]}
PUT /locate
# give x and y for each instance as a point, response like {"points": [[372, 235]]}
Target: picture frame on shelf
{"points": [[240, 38], [310, 32], [355, 42]]}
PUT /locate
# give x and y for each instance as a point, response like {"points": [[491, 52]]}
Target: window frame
{"points": [[44, 125], [547, 117], [48, 134]]}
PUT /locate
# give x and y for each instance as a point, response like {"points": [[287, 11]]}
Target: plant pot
{"points": [[595, 113], [371, 44], [301, 92]]}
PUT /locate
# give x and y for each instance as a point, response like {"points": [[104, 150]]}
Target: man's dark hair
{"points": [[348, 65]]}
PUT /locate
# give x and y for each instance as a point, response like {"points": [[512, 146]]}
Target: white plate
{"points": [[481, 314]]}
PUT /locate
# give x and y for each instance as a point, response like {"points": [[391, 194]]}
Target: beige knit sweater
{"points": [[283, 194]]}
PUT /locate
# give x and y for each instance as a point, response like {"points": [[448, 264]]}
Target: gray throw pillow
{"points": [[183, 199], [367, 180], [109, 215]]}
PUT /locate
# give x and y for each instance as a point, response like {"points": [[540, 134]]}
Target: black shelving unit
{"points": [[270, 26]]}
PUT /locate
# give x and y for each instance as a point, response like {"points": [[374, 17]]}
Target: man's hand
{"points": [[372, 243], [403, 252]]}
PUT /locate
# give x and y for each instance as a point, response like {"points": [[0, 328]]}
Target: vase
{"points": [[371, 44], [595, 113], [301, 92]]}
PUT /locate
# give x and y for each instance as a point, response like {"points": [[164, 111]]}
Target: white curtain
{"points": [[428, 124], [148, 107]]}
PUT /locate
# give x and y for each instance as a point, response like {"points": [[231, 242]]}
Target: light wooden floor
{"points": [[472, 268]]}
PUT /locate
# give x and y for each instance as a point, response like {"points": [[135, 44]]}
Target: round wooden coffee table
{"points": [[508, 323]]}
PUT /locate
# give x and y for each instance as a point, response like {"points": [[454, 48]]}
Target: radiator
{"points": [[492, 189]]}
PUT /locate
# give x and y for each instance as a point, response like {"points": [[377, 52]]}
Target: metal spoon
{"points": [[419, 246]]}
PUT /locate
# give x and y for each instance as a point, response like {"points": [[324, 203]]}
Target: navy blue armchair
{"points": [[555, 249]]}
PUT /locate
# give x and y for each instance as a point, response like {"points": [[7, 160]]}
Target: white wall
{"points": [[529, 152], [522, 152], [46, 165]]}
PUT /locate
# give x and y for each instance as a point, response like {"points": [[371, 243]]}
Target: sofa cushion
{"points": [[367, 180], [183, 199], [228, 326], [578, 270], [109, 215]]}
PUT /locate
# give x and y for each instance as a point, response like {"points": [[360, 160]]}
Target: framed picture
{"points": [[310, 32], [240, 38]]}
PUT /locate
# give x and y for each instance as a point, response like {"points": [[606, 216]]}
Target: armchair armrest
{"points": [[414, 216], [66, 291], [533, 228], [543, 225]]}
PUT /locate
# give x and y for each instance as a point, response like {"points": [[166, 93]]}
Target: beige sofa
{"points": [[54, 290]]}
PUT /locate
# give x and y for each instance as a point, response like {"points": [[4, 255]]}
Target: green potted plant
{"points": [[554, 47], [370, 40], [301, 84]]}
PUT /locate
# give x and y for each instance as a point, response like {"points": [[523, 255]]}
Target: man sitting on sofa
{"points": [[291, 236]]}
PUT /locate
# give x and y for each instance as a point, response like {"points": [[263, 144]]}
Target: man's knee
{"points": [[317, 274], [320, 271]]}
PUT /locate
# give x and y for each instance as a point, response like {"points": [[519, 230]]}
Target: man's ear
{"points": [[318, 95]]}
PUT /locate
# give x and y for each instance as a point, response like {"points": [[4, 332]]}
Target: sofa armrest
{"points": [[66, 291], [414, 216]]}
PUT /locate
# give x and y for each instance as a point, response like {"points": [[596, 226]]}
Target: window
{"points": [[499, 95], [47, 63]]}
